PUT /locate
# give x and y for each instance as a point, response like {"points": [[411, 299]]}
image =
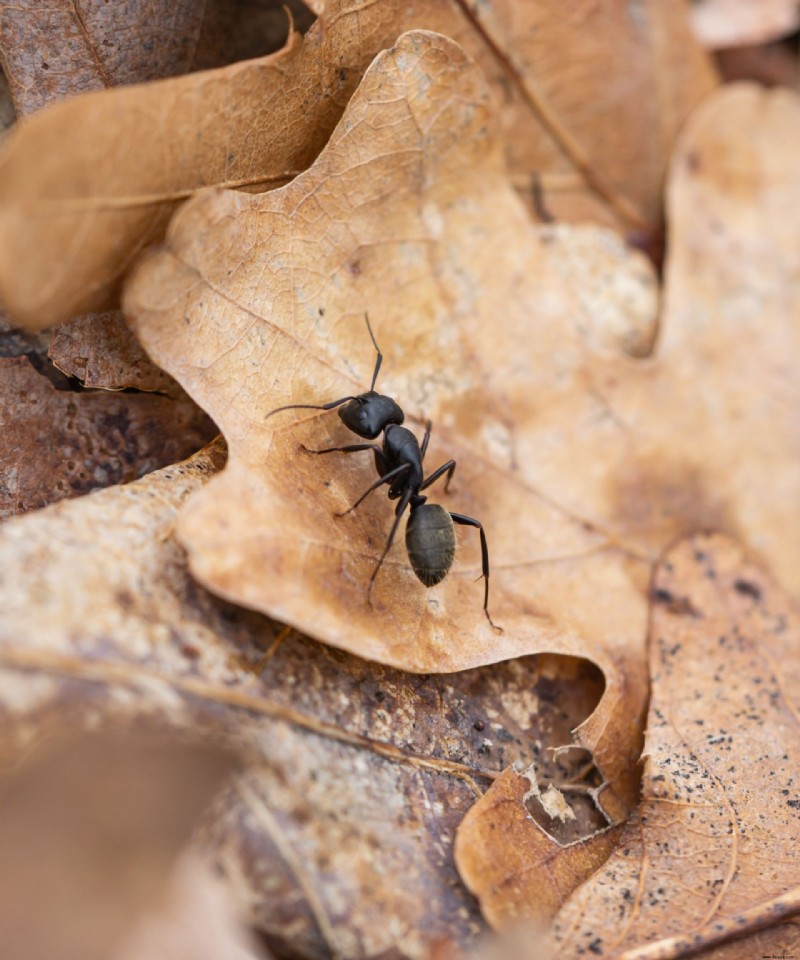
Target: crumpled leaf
{"points": [[100, 350], [259, 301], [713, 851], [358, 774], [736, 23], [505, 852], [87, 185], [91, 826], [581, 462], [57, 444], [58, 48]]}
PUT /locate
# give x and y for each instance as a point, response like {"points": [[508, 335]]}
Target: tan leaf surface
{"points": [[718, 832], [505, 852], [86, 185], [359, 773], [90, 830], [736, 23], [52, 49], [100, 350], [260, 301], [581, 462], [56, 443]]}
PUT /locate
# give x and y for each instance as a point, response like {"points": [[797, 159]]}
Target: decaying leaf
{"points": [[88, 184], [736, 23], [59, 48], [100, 350], [581, 462], [507, 858], [90, 828], [339, 835], [56, 443], [713, 852]]}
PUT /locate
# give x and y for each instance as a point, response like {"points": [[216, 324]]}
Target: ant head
{"points": [[370, 413]]}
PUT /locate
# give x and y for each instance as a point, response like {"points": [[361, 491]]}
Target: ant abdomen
{"points": [[430, 542]]}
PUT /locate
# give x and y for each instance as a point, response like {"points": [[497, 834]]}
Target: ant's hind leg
{"points": [[448, 468], [471, 522]]}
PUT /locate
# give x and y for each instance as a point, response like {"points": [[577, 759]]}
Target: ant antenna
{"points": [[311, 406], [379, 361]]}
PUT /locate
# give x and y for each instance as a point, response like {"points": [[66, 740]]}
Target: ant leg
{"points": [[386, 478], [379, 360], [448, 468], [401, 509], [425, 439], [350, 448], [470, 522], [310, 406]]}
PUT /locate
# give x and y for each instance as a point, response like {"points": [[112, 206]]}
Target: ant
{"points": [[430, 534]]}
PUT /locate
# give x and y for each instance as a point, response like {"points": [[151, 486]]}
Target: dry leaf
{"points": [[716, 839], [86, 185], [57, 444], [581, 462], [771, 64], [259, 301], [100, 350], [89, 830], [359, 773], [736, 23], [59, 48], [505, 850]]}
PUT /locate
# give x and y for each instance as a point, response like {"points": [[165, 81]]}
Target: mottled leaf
{"points": [[88, 184], [713, 852]]}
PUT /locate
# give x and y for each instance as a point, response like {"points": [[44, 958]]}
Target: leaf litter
{"points": [[634, 336], [357, 774], [88, 184], [250, 310], [712, 852]]}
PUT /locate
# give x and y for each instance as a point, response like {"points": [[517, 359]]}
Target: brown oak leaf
{"points": [[59, 48], [57, 444], [713, 852], [260, 301], [582, 462], [338, 836], [89, 183]]}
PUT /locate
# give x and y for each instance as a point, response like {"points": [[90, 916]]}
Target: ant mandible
{"points": [[430, 534]]}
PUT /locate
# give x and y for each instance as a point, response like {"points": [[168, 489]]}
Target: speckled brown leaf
{"points": [[57, 443], [52, 49], [581, 462], [88, 184], [713, 852], [736, 23], [338, 838], [100, 351], [260, 301]]}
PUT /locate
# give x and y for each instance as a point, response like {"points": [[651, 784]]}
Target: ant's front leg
{"points": [[350, 448]]}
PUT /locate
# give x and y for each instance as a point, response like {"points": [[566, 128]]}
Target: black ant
{"points": [[430, 534]]}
